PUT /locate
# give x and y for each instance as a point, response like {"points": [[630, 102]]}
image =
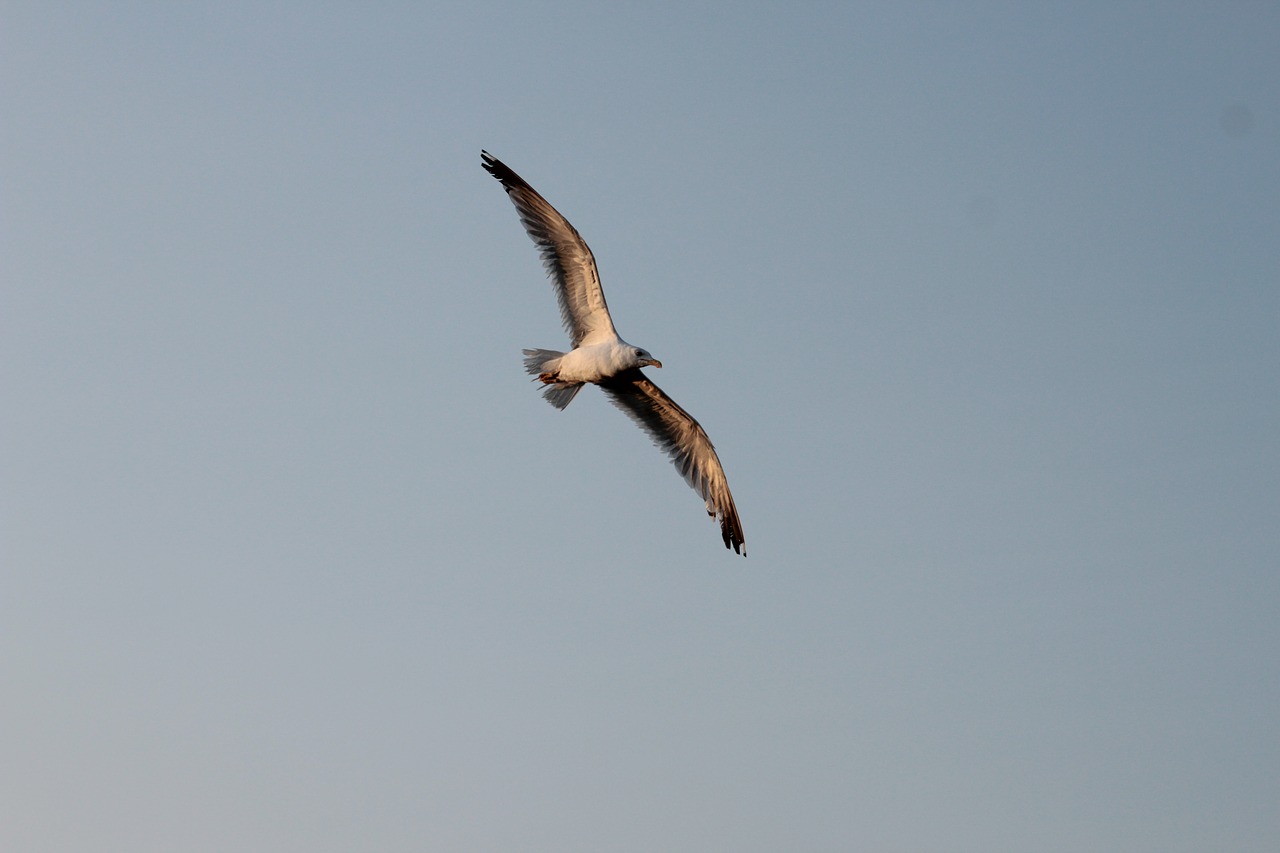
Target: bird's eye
{"points": [[639, 353]]}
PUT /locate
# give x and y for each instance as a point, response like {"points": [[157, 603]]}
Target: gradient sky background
{"points": [[979, 303]]}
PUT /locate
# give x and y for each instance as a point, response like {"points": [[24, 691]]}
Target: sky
{"points": [[978, 302]]}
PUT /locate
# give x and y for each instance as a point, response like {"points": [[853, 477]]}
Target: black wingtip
{"points": [[502, 172], [732, 536]]}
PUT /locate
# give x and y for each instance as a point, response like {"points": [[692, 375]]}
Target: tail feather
{"points": [[561, 394], [540, 362]]}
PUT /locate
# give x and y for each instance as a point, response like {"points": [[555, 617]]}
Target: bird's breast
{"points": [[594, 363]]}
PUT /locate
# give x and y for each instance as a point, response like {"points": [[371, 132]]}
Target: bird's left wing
{"points": [[564, 255], [675, 431]]}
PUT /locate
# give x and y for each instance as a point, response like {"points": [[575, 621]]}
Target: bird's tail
{"points": [[544, 364]]}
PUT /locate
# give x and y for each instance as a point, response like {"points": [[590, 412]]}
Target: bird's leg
{"points": [[549, 378]]}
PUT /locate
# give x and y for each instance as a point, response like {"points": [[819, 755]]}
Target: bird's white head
{"points": [[644, 359]]}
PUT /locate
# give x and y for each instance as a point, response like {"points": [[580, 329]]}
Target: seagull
{"points": [[602, 358]]}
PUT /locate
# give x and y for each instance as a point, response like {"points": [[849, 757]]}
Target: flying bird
{"points": [[602, 358]]}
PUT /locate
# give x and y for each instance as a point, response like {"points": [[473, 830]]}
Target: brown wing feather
{"points": [[682, 438], [565, 256]]}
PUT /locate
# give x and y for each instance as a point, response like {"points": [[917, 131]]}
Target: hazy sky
{"points": [[978, 301]]}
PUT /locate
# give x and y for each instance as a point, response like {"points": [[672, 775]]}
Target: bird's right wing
{"points": [[565, 255], [675, 431]]}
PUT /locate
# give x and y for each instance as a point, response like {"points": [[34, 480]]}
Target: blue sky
{"points": [[979, 303]]}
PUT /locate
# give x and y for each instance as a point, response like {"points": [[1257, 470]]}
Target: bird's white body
{"points": [[593, 362]]}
